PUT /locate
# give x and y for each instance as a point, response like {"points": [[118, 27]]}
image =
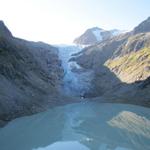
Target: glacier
{"points": [[75, 82]]}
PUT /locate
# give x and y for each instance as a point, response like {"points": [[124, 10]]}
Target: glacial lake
{"points": [[80, 126]]}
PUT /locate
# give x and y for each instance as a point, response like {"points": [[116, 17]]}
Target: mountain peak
{"points": [[95, 28], [4, 31], [143, 27], [93, 35]]}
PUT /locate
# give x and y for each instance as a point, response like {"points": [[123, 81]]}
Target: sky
{"points": [[60, 21]]}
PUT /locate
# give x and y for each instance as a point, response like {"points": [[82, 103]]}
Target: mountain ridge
{"points": [[143, 27], [121, 67]]}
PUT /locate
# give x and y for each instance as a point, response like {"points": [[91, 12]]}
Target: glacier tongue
{"points": [[76, 82]]}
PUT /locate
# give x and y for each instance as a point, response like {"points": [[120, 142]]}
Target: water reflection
{"points": [[90, 126], [32, 132], [132, 123], [71, 145]]}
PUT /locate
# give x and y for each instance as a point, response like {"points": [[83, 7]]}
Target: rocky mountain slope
{"points": [[131, 67], [95, 35], [30, 75], [143, 27], [121, 65]]}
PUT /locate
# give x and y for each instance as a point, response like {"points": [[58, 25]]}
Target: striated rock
{"points": [[133, 43]]}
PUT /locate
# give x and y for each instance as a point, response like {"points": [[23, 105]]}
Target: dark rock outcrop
{"points": [[4, 30]]}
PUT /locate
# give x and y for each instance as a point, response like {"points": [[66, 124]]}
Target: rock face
{"points": [[142, 27], [4, 30], [94, 35], [121, 65], [30, 74]]}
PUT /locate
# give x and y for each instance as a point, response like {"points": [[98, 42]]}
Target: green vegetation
{"points": [[135, 65]]}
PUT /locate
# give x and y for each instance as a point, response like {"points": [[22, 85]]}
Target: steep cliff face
{"points": [[30, 74], [142, 27], [121, 65], [4, 30]]}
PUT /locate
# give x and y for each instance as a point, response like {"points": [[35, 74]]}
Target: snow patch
{"points": [[97, 34]]}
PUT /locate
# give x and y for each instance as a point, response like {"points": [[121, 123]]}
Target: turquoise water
{"points": [[81, 126]]}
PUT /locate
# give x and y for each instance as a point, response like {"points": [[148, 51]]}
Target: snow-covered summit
{"points": [[94, 35]]}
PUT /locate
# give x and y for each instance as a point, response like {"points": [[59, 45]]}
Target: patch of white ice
{"points": [[97, 34]]}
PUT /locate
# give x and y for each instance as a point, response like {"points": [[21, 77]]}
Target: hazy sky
{"points": [[60, 21]]}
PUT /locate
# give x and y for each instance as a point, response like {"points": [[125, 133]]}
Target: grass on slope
{"points": [[133, 66]]}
